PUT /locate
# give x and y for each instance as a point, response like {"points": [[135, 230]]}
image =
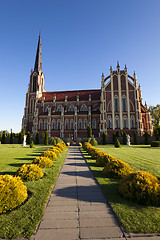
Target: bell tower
{"points": [[35, 89]]}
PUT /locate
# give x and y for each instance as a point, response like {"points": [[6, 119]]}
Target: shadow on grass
{"points": [[16, 164], [7, 173], [24, 158]]}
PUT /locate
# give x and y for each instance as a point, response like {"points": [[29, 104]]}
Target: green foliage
{"points": [[155, 114], [3, 140], [50, 154], [37, 138], [157, 135], [124, 138], [58, 140], [12, 192], [117, 134], [104, 135], [146, 138], [89, 131], [46, 138], [114, 138], [23, 132], [52, 141], [28, 139], [43, 162], [135, 138], [32, 144], [155, 144], [117, 144], [117, 169], [141, 187], [11, 138], [29, 172], [93, 141], [20, 138]]}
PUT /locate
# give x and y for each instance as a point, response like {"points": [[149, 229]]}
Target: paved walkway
{"points": [[77, 208]]}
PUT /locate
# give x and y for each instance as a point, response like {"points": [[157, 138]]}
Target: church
{"points": [[116, 106]]}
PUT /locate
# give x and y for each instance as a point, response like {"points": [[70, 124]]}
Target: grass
{"points": [[23, 221], [134, 217]]}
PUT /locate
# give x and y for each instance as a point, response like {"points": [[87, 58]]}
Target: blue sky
{"points": [[80, 40]]}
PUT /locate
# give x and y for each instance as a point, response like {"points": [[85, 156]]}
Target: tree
{"points": [[89, 131], [28, 139], [117, 134], [3, 140], [114, 138], [37, 138], [104, 135], [146, 140], [11, 138], [155, 115], [46, 138], [135, 138], [20, 138], [124, 138], [23, 132], [117, 144]]}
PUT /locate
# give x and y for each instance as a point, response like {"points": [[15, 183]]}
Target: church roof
{"points": [[38, 60], [72, 95]]}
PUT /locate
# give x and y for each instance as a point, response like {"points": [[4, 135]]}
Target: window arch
{"points": [[116, 122], [80, 124], [85, 123], [45, 124], [53, 124], [109, 122], [66, 124], [71, 124], [95, 108], [40, 124], [116, 103], [32, 101], [83, 108], [124, 106], [94, 124], [132, 122], [58, 124], [124, 122], [71, 108], [59, 109]]}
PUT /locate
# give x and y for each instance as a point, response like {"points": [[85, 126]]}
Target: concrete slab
{"points": [[95, 214], [61, 209], [60, 215], [57, 234], [63, 203], [98, 222], [100, 207], [58, 223], [101, 232]]}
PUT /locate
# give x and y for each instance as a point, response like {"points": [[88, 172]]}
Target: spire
{"points": [[38, 61]]}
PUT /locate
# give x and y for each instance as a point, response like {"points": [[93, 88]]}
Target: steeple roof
{"points": [[38, 60]]}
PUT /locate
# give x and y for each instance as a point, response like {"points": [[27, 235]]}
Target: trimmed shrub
{"points": [[58, 140], [141, 187], [32, 144], [50, 154], [155, 144], [52, 141], [114, 138], [43, 162], [12, 192], [61, 145], [46, 138], [146, 138], [104, 135], [56, 150], [93, 141], [37, 138], [89, 131], [124, 138], [20, 140], [117, 169], [11, 138], [3, 140], [103, 159], [117, 144], [117, 134], [29, 172], [28, 139], [135, 138]]}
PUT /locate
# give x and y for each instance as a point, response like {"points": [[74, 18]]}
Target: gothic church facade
{"points": [[117, 106]]}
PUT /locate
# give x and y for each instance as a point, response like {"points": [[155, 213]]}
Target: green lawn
{"points": [[23, 221], [140, 157], [134, 217]]}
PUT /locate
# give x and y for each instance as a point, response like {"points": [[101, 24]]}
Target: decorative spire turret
{"points": [[118, 67], [38, 60]]}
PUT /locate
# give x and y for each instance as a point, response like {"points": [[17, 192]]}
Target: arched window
{"points": [[124, 108], [94, 124], [116, 122], [47, 109], [45, 125], [109, 122], [132, 122], [66, 124], [58, 124], [116, 103], [40, 124], [71, 108], [95, 108], [83, 108], [59, 109], [85, 123], [53, 124], [32, 105], [124, 122], [80, 124], [72, 124]]}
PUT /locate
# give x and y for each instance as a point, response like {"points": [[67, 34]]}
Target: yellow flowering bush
{"points": [[68, 144], [43, 162], [141, 187], [61, 145], [103, 159], [80, 144], [56, 150], [117, 169], [50, 154], [29, 172], [12, 192]]}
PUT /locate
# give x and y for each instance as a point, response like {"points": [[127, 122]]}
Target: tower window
{"points": [[94, 124], [72, 124], [80, 124], [83, 108], [66, 124], [124, 103], [45, 125], [132, 122], [85, 124], [40, 124], [58, 125], [59, 109], [109, 122], [116, 122], [71, 108], [124, 122], [53, 125]]}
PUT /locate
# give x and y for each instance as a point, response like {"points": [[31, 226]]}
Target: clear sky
{"points": [[80, 40]]}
